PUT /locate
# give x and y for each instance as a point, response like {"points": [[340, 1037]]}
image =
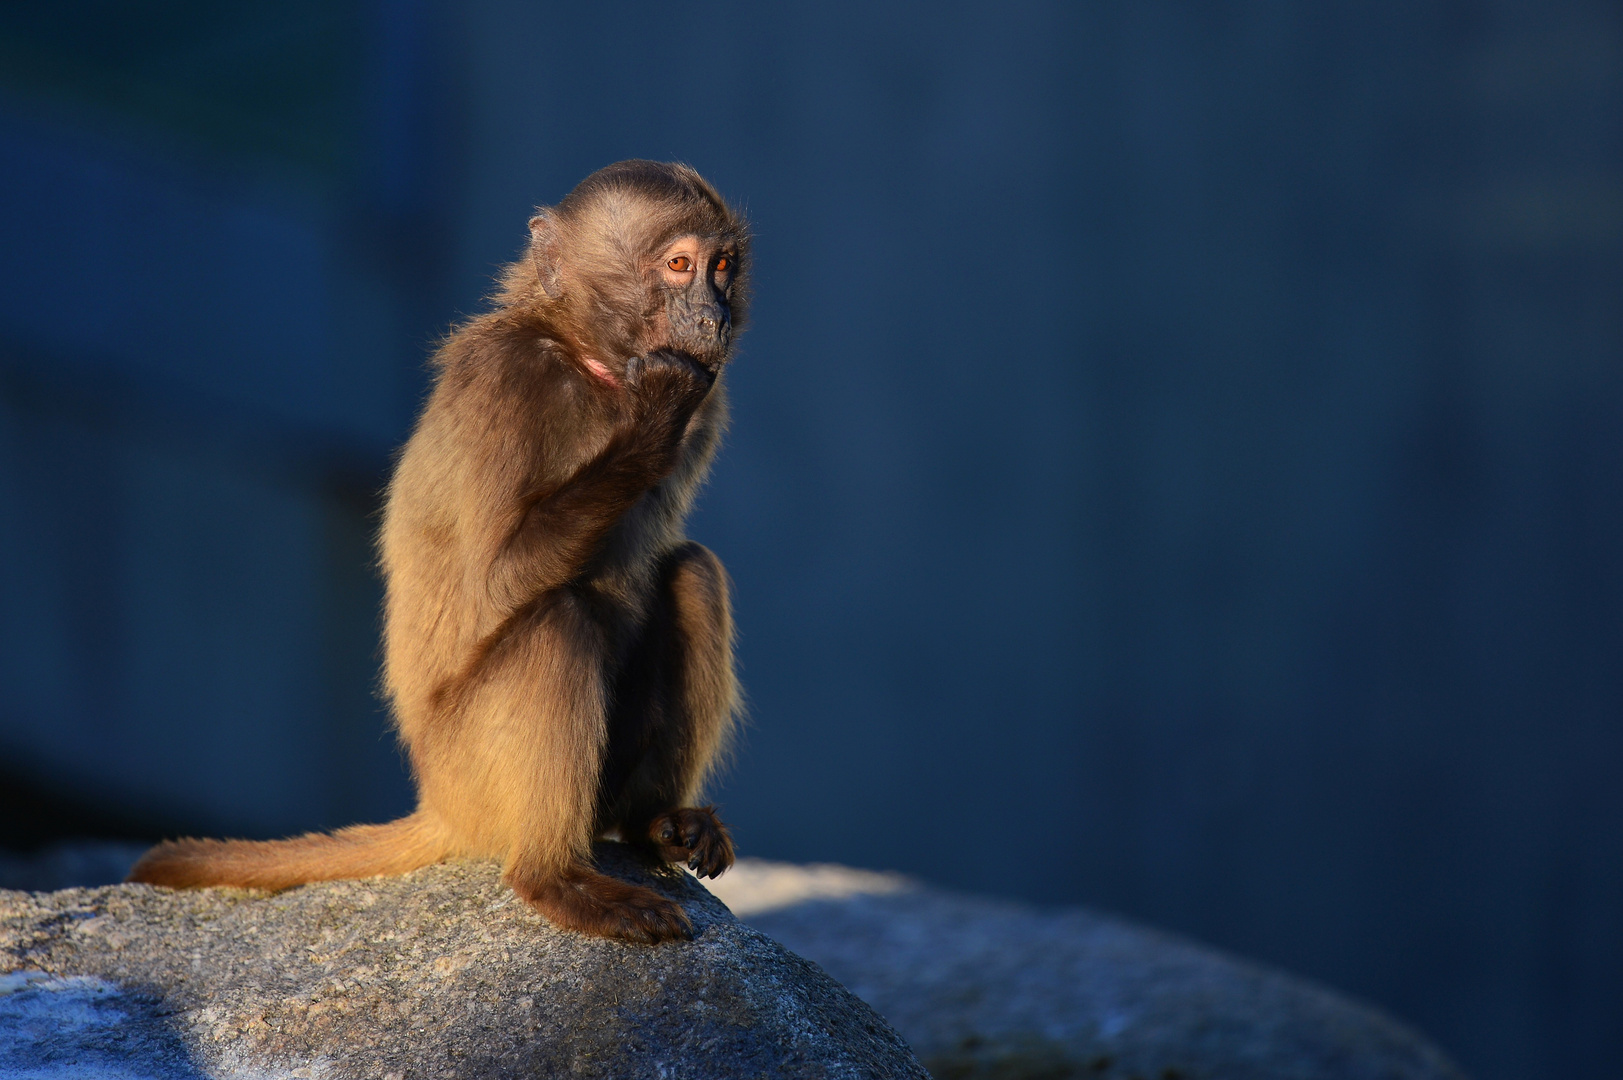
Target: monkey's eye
{"points": [[681, 264], [724, 264]]}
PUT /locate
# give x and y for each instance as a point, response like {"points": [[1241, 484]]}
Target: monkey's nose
{"points": [[709, 318]]}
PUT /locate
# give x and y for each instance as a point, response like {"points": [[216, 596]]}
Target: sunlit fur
{"points": [[558, 657]]}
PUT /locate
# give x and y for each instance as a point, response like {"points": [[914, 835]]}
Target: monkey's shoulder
{"points": [[515, 376], [502, 351], [506, 417]]}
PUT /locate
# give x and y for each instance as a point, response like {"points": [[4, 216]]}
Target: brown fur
{"points": [[558, 656]]}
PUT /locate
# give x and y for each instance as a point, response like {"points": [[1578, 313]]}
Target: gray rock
{"points": [[984, 989], [441, 973]]}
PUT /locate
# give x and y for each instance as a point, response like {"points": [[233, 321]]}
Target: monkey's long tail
{"points": [[356, 852]]}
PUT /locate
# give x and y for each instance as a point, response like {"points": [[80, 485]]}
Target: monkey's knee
{"points": [[697, 588], [697, 580]]}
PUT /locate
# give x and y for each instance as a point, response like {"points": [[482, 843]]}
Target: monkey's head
{"points": [[641, 256]]}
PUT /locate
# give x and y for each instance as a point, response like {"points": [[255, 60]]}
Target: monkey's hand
{"points": [[665, 390], [667, 386], [564, 523], [695, 836]]}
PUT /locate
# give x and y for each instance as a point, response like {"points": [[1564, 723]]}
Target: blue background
{"points": [[1177, 464]]}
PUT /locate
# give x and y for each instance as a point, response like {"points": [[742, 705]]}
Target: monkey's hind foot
{"points": [[693, 835], [592, 903]]}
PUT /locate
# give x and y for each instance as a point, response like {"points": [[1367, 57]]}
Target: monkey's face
{"points": [[642, 257], [694, 284]]}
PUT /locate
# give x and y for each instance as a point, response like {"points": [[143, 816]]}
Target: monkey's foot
{"points": [[592, 903], [695, 836]]}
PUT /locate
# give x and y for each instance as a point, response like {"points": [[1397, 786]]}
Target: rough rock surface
{"points": [[441, 973], [982, 988]]}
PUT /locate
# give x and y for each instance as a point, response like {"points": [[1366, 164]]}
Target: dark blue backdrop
{"points": [[1177, 464]]}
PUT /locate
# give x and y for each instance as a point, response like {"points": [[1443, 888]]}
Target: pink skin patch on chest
{"points": [[597, 367]]}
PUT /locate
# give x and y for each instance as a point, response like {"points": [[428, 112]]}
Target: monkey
{"points": [[557, 655]]}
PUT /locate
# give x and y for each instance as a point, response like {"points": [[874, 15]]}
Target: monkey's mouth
{"points": [[702, 331]]}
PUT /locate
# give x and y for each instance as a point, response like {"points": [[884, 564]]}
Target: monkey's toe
{"points": [[695, 836], [592, 903], [650, 920]]}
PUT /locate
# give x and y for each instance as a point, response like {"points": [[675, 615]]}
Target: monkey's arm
{"points": [[560, 526]]}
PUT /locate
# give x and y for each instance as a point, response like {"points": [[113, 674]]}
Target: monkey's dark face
{"points": [[695, 277], [641, 257]]}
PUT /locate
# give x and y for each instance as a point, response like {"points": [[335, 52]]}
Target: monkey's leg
{"points": [[675, 704], [515, 773]]}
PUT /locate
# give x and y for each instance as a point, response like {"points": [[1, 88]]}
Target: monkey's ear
{"points": [[544, 250]]}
